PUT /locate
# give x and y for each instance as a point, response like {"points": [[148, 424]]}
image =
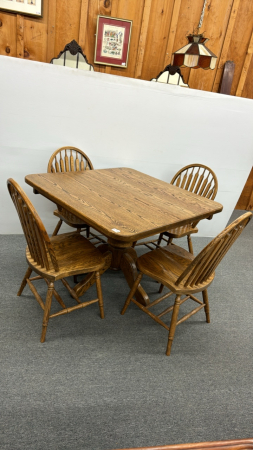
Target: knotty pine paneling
{"points": [[159, 28]]}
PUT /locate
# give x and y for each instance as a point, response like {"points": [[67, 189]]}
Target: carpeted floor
{"points": [[106, 384]]}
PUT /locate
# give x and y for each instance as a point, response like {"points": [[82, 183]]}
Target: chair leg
{"points": [[190, 243], [47, 311], [24, 282], [75, 279], [100, 295], [87, 231], [131, 293], [173, 324], [58, 226], [205, 300], [160, 238], [160, 288]]}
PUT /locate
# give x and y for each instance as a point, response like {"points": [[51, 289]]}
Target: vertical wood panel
{"points": [[216, 19], [172, 32], [143, 37], [67, 23], [226, 44], [83, 23], [240, 40], [8, 34], [20, 36], [51, 30], [245, 68], [159, 28], [156, 43], [35, 36]]}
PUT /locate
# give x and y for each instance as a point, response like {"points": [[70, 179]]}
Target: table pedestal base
{"points": [[116, 259]]}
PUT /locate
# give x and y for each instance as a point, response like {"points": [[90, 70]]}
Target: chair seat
{"points": [[75, 255], [166, 264], [69, 218], [179, 232]]}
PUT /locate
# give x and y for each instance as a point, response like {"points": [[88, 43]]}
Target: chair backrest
{"points": [[72, 56], [198, 179], [69, 159], [38, 241], [203, 266]]}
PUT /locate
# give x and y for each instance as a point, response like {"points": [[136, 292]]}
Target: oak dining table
{"points": [[125, 205]]}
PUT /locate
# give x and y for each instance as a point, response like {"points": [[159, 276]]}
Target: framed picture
{"points": [[112, 41], [28, 7]]}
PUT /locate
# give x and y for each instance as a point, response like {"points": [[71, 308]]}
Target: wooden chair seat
{"points": [[56, 258], [179, 232], [75, 255], [166, 264], [184, 274]]}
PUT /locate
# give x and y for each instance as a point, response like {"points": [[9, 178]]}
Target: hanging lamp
{"points": [[195, 54]]}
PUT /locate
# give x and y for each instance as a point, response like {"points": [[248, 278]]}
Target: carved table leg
{"points": [[116, 258], [129, 269]]}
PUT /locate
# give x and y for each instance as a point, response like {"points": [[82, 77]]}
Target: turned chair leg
{"points": [[24, 282], [205, 300], [173, 324], [47, 311], [100, 295], [131, 293], [58, 226], [159, 239], [190, 244], [160, 288]]}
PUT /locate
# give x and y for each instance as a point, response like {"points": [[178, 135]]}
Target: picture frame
{"points": [[27, 7], [112, 41]]}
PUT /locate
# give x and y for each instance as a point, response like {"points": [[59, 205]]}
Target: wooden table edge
{"points": [[114, 236]]}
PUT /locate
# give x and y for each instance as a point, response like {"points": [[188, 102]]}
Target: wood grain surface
{"points": [[122, 203], [235, 444]]}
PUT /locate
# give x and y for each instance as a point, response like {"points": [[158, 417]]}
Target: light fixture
{"points": [[171, 75], [195, 54]]}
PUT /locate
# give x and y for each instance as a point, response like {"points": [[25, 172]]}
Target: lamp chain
{"points": [[202, 15]]}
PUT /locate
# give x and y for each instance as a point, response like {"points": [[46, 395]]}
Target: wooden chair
{"points": [[183, 274], [71, 159], [200, 180], [54, 258]]}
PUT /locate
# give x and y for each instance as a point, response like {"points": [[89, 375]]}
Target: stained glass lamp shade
{"points": [[171, 75], [195, 54]]}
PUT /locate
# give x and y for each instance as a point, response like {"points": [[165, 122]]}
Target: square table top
{"points": [[122, 203]]}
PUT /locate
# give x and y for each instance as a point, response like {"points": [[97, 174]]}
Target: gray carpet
{"points": [[106, 384]]}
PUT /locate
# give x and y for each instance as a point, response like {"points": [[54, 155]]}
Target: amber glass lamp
{"points": [[195, 54]]}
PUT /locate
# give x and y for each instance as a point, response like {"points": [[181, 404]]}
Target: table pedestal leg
{"points": [[116, 259]]}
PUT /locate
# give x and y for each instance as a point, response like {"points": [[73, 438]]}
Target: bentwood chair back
{"points": [[71, 159], [54, 258], [200, 180], [183, 274]]}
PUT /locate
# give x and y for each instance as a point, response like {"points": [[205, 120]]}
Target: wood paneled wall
{"points": [[159, 28]]}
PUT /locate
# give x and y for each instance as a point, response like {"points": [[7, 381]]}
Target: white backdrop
{"points": [[118, 122]]}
